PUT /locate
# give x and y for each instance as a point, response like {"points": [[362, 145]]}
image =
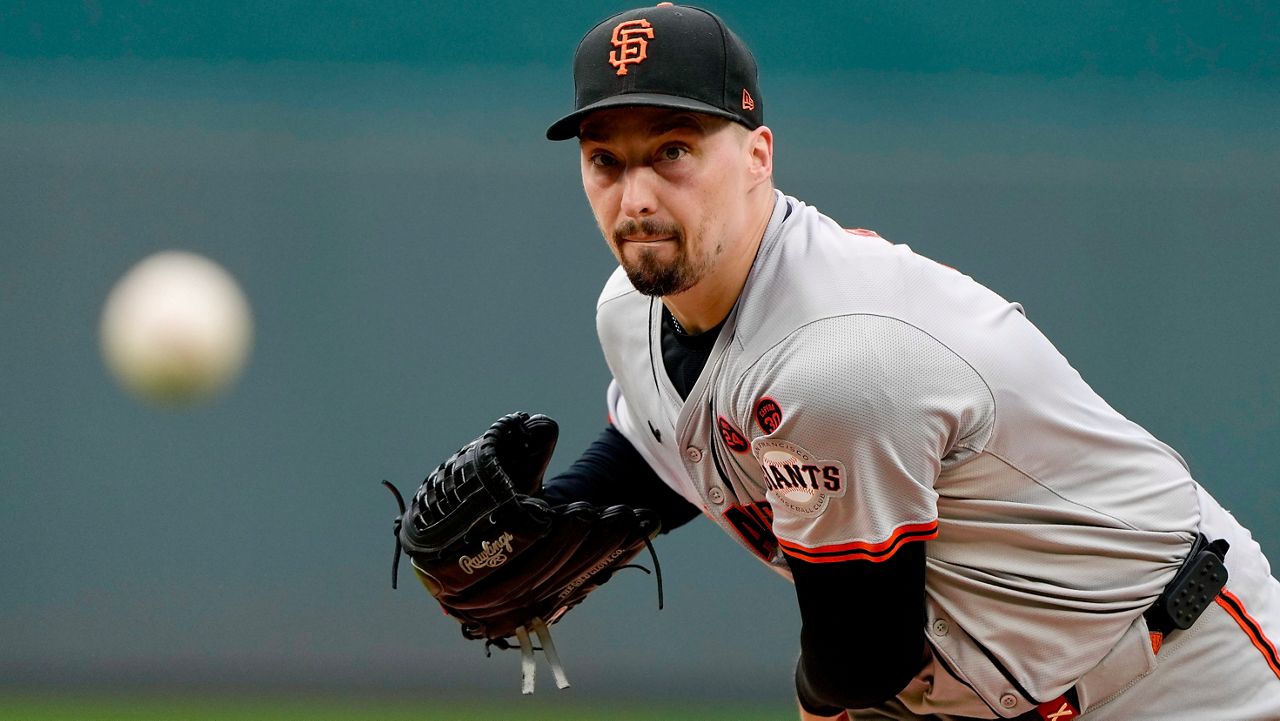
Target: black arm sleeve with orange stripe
{"points": [[862, 638]]}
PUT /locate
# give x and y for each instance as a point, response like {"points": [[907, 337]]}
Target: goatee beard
{"points": [[648, 273]]}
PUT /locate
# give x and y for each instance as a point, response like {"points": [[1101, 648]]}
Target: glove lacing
{"points": [[395, 561], [528, 666]]}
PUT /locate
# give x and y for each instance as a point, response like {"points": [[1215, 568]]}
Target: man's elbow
{"points": [[852, 682]]}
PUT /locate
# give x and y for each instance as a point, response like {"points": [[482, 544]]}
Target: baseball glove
{"points": [[502, 561]]}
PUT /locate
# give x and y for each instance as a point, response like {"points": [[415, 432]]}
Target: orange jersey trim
{"points": [[1232, 605], [862, 551]]}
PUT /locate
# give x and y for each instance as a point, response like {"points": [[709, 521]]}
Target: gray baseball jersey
{"points": [[860, 397]]}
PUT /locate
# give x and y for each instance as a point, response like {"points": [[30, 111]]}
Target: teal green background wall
{"points": [[421, 261]]}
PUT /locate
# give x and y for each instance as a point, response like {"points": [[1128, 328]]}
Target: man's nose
{"points": [[638, 199]]}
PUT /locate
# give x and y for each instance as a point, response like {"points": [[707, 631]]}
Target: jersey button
{"points": [[716, 495], [941, 627], [1008, 700], [693, 453]]}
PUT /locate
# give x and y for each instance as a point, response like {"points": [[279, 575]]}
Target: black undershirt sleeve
{"points": [[862, 638], [612, 471]]}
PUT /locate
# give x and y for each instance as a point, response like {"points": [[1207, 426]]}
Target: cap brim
{"points": [[567, 127]]}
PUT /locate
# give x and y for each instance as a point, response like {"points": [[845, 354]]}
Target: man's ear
{"points": [[759, 146]]}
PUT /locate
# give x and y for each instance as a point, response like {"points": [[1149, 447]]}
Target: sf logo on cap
{"points": [[631, 38]]}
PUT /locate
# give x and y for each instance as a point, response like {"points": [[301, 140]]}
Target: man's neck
{"points": [[706, 304]]}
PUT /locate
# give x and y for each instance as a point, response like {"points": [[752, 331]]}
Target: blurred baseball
{"points": [[176, 329]]}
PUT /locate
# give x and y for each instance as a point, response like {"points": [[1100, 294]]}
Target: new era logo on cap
{"points": [[669, 56]]}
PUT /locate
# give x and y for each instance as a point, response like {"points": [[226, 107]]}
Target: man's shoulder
{"points": [[815, 270]]}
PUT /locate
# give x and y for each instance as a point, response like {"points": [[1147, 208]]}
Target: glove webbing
{"points": [[528, 665]]}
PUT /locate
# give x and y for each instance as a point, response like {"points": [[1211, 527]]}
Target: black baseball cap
{"points": [[668, 56]]}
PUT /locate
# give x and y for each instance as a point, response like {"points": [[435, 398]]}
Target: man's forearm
{"points": [[611, 471]]}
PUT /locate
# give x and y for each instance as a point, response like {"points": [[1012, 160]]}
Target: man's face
{"points": [[668, 190]]}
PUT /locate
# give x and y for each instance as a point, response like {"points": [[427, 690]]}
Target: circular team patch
{"points": [[732, 437], [796, 479], [768, 414]]}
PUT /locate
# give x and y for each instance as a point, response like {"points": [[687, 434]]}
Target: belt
{"points": [[1195, 585]]}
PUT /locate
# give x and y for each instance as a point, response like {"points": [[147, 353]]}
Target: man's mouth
{"points": [[646, 232], [646, 239]]}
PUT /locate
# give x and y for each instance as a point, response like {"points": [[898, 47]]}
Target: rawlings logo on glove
{"points": [[491, 555]]}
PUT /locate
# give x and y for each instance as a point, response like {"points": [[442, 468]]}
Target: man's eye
{"points": [[673, 152], [603, 160]]}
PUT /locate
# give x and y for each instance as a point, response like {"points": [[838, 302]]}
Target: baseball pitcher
{"points": [[971, 530]]}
